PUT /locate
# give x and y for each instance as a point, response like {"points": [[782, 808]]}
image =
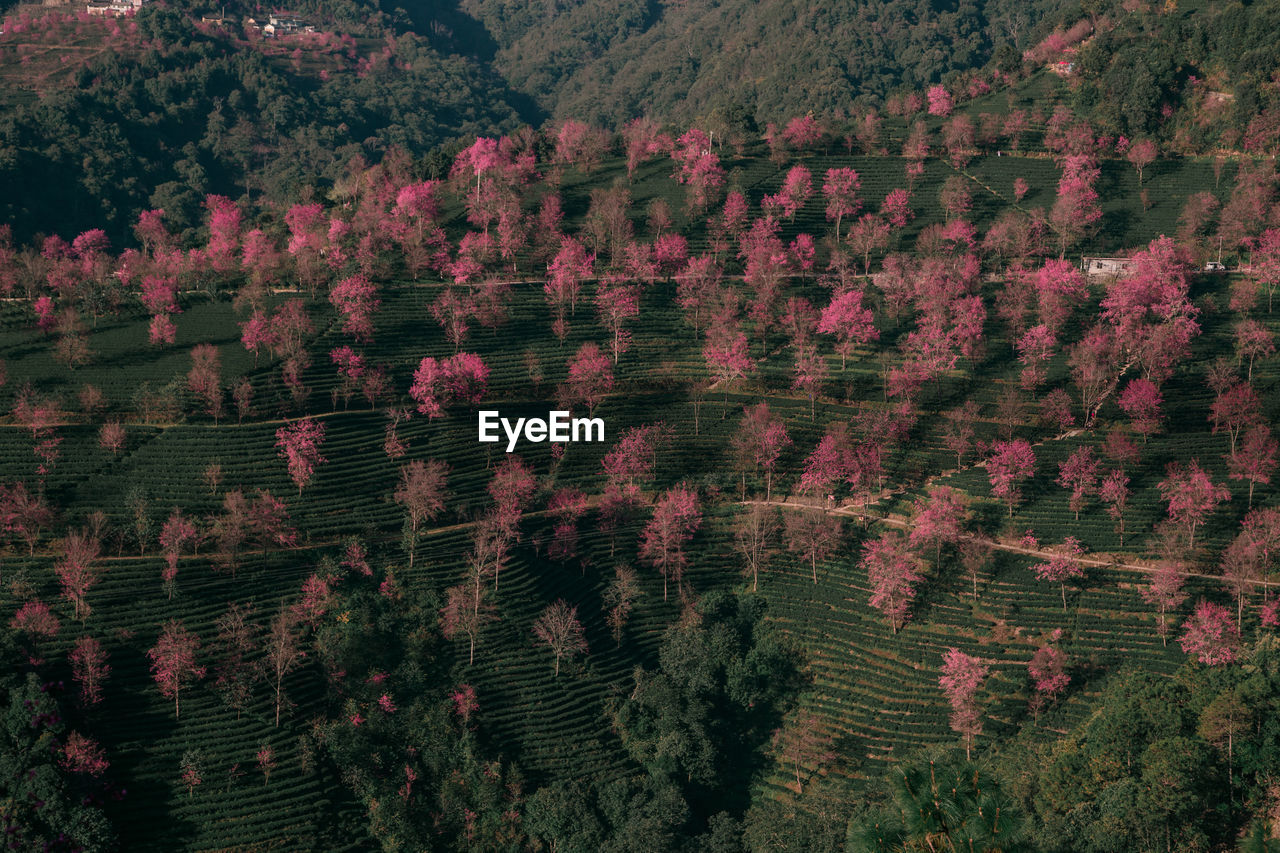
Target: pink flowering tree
{"points": [[938, 520], [848, 320], [1141, 400], [840, 188], [893, 572], [356, 298], [298, 444], [961, 678], [89, 668], [662, 545], [1191, 495], [1210, 634], [177, 533], [940, 101], [1255, 461], [1049, 676], [565, 274], [1079, 473], [1165, 591], [1114, 492], [1141, 154], [590, 377], [758, 444], [173, 660], [1062, 567], [616, 306], [1010, 463], [461, 378]]}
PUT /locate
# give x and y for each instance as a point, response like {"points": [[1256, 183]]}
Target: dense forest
{"points": [[935, 346]]}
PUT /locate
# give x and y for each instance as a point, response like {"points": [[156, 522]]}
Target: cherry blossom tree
{"points": [[204, 379], [796, 189], [266, 760], [1009, 464], [629, 464], [696, 286], [615, 306], [1141, 401], [828, 465], [1079, 473], [298, 444], [753, 537], [1035, 348], [1164, 590], [619, 598], [1192, 496], [89, 668], [590, 377], [1253, 341], [173, 660], [758, 444], [675, 519], [560, 631], [111, 437], [1114, 492], [1062, 567], [961, 678], [1141, 154], [812, 536], [849, 322], [938, 520], [421, 492], [1076, 211], [1256, 459], [76, 571], [810, 374], [1150, 311], [959, 433], [466, 611], [940, 101], [177, 533], [727, 355], [840, 188], [803, 132], [565, 507], [463, 378], [1235, 408], [82, 754], [356, 298], [870, 233], [1210, 635], [1049, 676], [896, 208], [565, 275], [892, 571], [281, 655]]}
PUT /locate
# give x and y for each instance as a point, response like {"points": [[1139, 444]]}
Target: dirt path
{"points": [[851, 511]]}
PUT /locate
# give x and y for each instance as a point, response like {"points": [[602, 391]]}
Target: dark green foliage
{"points": [[166, 127], [398, 741], [40, 805], [1162, 761], [718, 693], [942, 802], [611, 61]]}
